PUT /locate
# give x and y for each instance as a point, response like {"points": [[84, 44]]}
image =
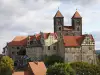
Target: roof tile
{"points": [[58, 14], [38, 68]]}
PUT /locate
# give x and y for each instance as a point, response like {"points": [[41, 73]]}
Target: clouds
{"points": [[23, 17], [82, 3]]}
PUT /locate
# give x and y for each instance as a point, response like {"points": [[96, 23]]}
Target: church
{"points": [[66, 41]]}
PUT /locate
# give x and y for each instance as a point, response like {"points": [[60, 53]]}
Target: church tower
{"points": [[58, 23], [77, 23]]}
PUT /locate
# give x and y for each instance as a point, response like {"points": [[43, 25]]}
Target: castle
{"points": [[66, 41]]}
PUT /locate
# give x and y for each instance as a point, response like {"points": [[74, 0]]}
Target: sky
{"points": [[27, 17]]}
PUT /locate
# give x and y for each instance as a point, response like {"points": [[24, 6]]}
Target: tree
{"points": [[60, 69], [50, 60], [83, 68], [6, 65], [98, 59]]}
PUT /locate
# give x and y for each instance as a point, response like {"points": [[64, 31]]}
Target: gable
{"points": [[88, 40], [52, 38]]}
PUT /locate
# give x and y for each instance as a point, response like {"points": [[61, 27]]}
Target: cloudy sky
{"points": [[25, 17]]}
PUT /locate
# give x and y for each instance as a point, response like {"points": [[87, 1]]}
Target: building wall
{"points": [[71, 33], [88, 55], [36, 53], [88, 50], [72, 54], [13, 50], [50, 43], [80, 54], [61, 48]]}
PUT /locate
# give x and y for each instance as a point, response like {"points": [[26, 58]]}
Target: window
{"points": [[12, 52], [59, 28], [28, 42], [48, 47], [17, 47], [31, 42], [78, 28], [17, 53], [54, 47], [90, 48]]}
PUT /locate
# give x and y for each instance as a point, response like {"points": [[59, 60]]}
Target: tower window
{"points": [[78, 28], [48, 47], [59, 28]]}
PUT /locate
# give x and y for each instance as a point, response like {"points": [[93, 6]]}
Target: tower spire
{"points": [[76, 15], [58, 14]]}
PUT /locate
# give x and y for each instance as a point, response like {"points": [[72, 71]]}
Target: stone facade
{"points": [[66, 41]]}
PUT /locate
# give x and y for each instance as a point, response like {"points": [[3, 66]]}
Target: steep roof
{"points": [[20, 73], [38, 68], [22, 40], [76, 15], [72, 40], [58, 14], [18, 41], [75, 40]]}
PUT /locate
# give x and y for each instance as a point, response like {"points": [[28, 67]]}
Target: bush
{"points": [[6, 65], [60, 69], [50, 60], [83, 68]]}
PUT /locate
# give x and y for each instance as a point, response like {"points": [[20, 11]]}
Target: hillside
{"points": [[97, 51]]}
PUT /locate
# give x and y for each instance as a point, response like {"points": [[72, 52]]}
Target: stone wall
{"points": [[36, 53], [72, 54], [88, 54]]}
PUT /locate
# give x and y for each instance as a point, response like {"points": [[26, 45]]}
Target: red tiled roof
{"points": [[75, 40], [67, 28], [38, 68], [22, 40], [18, 41], [58, 14], [76, 15], [21, 73]]}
